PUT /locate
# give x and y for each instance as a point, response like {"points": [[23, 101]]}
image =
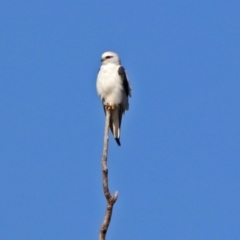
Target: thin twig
{"points": [[111, 199]]}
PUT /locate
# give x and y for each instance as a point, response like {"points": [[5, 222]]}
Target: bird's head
{"points": [[110, 57]]}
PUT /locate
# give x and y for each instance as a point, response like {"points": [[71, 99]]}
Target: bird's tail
{"points": [[115, 125]]}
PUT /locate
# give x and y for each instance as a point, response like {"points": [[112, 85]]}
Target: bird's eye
{"points": [[107, 57]]}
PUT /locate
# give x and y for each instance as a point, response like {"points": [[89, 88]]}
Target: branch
{"points": [[111, 199]]}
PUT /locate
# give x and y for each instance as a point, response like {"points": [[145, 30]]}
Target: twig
{"points": [[111, 199]]}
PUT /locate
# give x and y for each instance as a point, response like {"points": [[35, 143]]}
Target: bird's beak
{"points": [[102, 59]]}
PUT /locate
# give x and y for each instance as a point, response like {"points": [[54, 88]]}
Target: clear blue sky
{"points": [[177, 171]]}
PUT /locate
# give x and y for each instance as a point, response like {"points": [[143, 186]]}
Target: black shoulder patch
{"points": [[122, 73]]}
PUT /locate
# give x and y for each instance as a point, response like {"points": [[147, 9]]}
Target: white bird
{"points": [[113, 88]]}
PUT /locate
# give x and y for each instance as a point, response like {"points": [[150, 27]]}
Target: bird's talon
{"points": [[109, 107]]}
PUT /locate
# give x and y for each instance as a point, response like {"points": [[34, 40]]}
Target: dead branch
{"points": [[111, 199]]}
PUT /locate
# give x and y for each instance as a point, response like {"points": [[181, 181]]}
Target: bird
{"points": [[114, 90]]}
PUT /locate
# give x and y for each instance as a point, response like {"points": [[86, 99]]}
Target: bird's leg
{"points": [[109, 107]]}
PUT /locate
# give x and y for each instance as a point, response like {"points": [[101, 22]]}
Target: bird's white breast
{"points": [[109, 84]]}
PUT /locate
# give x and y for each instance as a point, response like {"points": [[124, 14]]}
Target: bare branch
{"points": [[111, 199]]}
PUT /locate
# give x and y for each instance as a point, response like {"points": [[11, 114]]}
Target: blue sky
{"points": [[177, 171]]}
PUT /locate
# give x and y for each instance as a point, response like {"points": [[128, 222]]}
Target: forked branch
{"points": [[111, 199]]}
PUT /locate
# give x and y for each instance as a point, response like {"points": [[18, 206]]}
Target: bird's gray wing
{"points": [[127, 90], [125, 83]]}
